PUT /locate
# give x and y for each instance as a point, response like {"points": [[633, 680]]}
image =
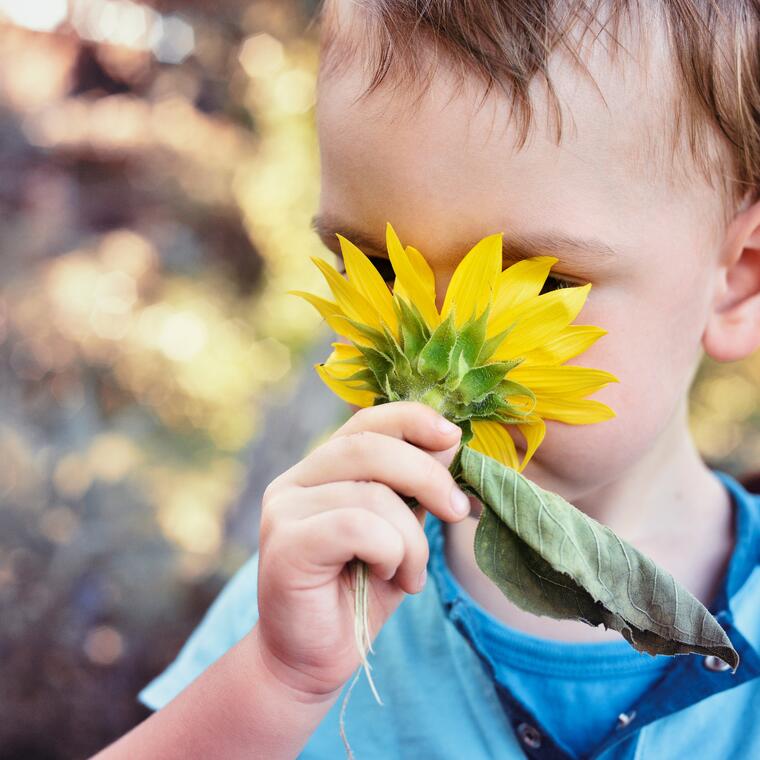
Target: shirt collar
{"points": [[688, 680]]}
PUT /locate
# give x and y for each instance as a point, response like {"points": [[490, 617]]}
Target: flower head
{"points": [[491, 360]]}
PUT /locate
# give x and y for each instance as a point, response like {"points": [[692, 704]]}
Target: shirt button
{"points": [[625, 718], [715, 664], [529, 735]]}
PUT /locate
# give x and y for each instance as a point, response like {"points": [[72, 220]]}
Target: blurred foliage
{"points": [[158, 170]]}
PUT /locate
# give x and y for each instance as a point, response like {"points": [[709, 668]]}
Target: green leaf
{"points": [[551, 559], [433, 363]]}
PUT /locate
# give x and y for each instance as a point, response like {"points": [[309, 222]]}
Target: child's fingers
{"points": [[376, 498], [321, 544], [408, 420], [374, 456]]}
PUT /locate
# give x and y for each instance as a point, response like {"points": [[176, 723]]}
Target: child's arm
{"points": [[237, 708], [266, 696]]}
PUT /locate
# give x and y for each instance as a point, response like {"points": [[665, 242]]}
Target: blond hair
{"points": [[715, 46]]}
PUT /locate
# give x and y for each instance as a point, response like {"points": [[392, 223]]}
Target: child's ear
{"points": [[733, 327]]}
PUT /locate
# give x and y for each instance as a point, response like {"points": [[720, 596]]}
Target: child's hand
{"points": [[337, 503]]}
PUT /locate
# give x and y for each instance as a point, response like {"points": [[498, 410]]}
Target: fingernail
{"points": [[460, 501], [421, 579], [446, 426]]}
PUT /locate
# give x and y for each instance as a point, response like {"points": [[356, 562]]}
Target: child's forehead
{"points": [[457, 150], [624, 96]]}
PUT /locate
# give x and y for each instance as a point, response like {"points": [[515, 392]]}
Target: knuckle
{"points": [[430, 471], [349, 524], [276, 540], [271, 512], [355, 444], [417, 407], [269, 492], [365, 415], [424, 555], [267, 521], [418, 551], [374, 495]]}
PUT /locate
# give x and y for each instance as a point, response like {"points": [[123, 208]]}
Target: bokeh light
{"points": [[161, 172]]}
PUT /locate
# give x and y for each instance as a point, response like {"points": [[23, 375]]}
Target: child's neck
{"points": [[669, 505]]}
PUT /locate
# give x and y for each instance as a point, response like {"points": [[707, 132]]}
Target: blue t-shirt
{"points": [[457, 683]]}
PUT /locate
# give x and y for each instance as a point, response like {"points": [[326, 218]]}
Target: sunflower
{"points": [[491, 360]]}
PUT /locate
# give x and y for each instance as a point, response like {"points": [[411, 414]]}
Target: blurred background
{"points": [[158, 171]]}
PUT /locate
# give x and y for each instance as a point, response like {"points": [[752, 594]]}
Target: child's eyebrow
{"points": [[589, 251]]}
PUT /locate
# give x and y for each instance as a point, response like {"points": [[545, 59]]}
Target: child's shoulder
{"points": [[740, 595], [231, 615]]}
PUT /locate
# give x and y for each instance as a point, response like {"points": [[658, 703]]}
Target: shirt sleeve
{"points": [[229, 618]]}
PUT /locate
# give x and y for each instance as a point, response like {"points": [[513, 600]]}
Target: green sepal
{"points": [[433, 362], [356, 361], [480, 380], [371, 381], [466, 349], [467, 433], [454, 376], [486, 408], [511, 388], [390, 394], [401, 365], [472, 337], [517, 419], [490, 345], [375, 336], [378, 362], [414, 334]]}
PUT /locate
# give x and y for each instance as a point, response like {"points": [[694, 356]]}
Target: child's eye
{"points": [[383, 266], [385, 269], [555, 283]]}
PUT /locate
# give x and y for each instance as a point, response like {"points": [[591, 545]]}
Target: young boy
{"points": [[651, 194]]}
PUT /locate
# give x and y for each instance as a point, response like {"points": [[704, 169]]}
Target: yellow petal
{"points": [[334, 316], [474, 280], [408, 283], [344, 391], [566, 380], [538, 319], [493, 440], [422, 268], [521, 281], [367, 280], [570, 342], [344, 351], [352, 303], [339, 370], [534, 433], [573, 411]]}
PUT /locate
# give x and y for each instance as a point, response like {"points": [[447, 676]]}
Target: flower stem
{"points": [[360, 571], [361, 619]]}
